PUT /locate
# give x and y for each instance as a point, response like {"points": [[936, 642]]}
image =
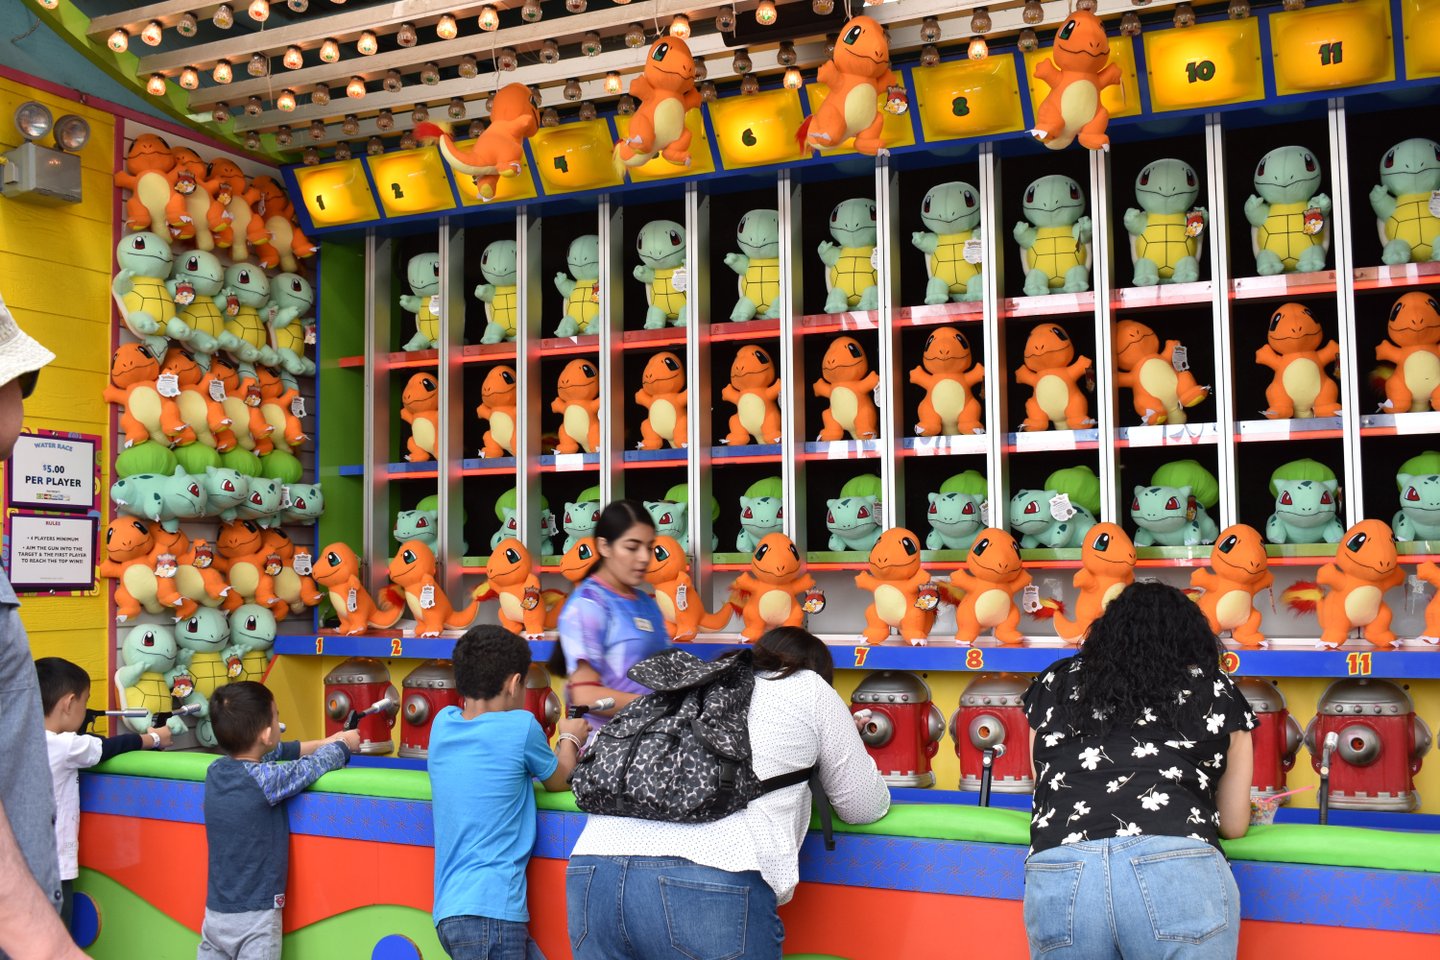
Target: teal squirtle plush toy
{"points": [[1288, 214], [661, 246], [1404, 201], [1165, 231], [758, 265], [497, 266], [850, 268], [950, 212], [580, 287], [422, 272], [1054, 237]]}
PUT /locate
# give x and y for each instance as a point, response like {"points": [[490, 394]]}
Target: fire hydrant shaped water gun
{"points": [[1078, 70], [1054, 237], [856, 75], [848, 383], [577, 400], [901, 726], [754, 389], [422, 272], [992, 717], [1160, 381], [948, 375], [1107, 566], [497, 266], [950, 212], [1289, 217], [426, 690], [1365, 566], [420, 407], [661, 247], [541, 700], [666, 91], [1414, 351], [499, 151], [498, 399], [287, 317], [1306, 504], [1302, 386], [140, 292], [758, 266], [150, 175], [1379, 745], [675, 594], [1053, 371], [580, 288], [904, 597], [360, 696], [1239, 569], [337, 569], [771, 586], [196, 279], [413, 570], [1403, 201], [984, 588], [1276, 738], [245, 333], [1165, 231], [148, 657], [850, 278], [663, 394]]}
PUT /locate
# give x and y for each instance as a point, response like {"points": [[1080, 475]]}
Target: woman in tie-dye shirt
{"points": [[609, 624]]}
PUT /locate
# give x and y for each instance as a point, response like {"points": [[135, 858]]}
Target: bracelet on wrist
{"points": [[570, 737]]}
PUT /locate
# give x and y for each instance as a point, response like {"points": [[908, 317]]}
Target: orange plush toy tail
{"points": [[803, 134], [1303, 596]]}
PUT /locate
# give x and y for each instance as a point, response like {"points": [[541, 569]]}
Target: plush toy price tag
{"points": [[184, 294], [302, 563], [204, 555], [814, 602], [232, 305], [1060, 507], [273, 565], [217, 391], [927, 597], [167, 385], [1180, 359], [233, 667], [875, 259], [427, 596], [595, 292], [1435, 203], [531, 597], [435, 304], [352, 600], [973, 252], [166, 567], [682, 597], [1194, 223], [297, 407], [182, 686], [253, 397], [897, 101], [285, 500], [185, 183], [310, 334], [985, 512], [1314, 221], [680, 279], [1030, 599]]}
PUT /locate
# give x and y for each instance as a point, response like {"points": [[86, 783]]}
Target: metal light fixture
{"points": [[254, 107], [793, 79], [342, 151], [285, 102], [320, 96], [822, 8], [571, 90], [725, 19], [635, 36], [929, 55], [153, 33], [612, 82], [708, 93], [33, 120], [420, 114], [507, 59], [530, 11], [549, 51], [393, 82], [1130, 24], [786, 55], [680, 26], [252, 140], [1184, 15], [312, 156], [260, 10], [701, 71], [374, 147], [930, 30], [750, 84], [220, 113], [489, 19], [406, 35], [1028, 42], [978, 49], [224, 17], [298, 6], [1032, 13], [258, 66], [72, 133], [625, 105], [223, 72], [742, 64], [476, 128], [468, 67], [765, 13], [350, 125], [119, 40], [587, 111], [330, 51], [430, 74], [284, 136], [46, 175], [575, 6], [1238, 9], [367, 44], [590, 44], [355, 89], [980, 21], [384, 120], [549, 118], [446, 28], [190, 78], [155, 86], [456, 109], [293, 58]]}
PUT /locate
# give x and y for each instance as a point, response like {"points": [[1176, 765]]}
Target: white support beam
{"points": [[167, 12]]}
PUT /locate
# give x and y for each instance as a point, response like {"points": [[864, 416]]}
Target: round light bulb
{"points": [[153, 33], [223, 72], [476, 128], [1238, 9], [190, 78], [980, 21], [187, 26], [708, 93], [342, 151], [725, 19], [635, 36], [298, 6], [420, 114], [355, 89], [612, 82], [1028, 42], [320, 96], [393, 82], [293, 58], [258, 66], [625, 105], [507, 59], [680, 26], [793, 79], [367, 44], [979, 49], [220, 113], [822, 8], [446, 28], [741, 63], [489, 19], [701, 71], [252, 140], [456, 109], [374, 147], [571, 90], [530, 11], [224, 17], [1184, 15], [155, 86], [929, 55], [384, 120], [765, 13], [350, 125], [549, 118], [285, 102], [549, 51], [260, 10], [575, 6], [590, 44], [587, 111], [930, 30], [407, 140], [312, 156], [1293, 5], [254, 107], [284, 136], [119, 40], [33, 119], [468, 67], [750, 84], [330, 51], [786, 55], [430, 74], [406, 35], [1130, 24]]}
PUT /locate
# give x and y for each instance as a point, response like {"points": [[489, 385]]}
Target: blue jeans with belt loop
{"points": [[1132, 898], [667, 908]]}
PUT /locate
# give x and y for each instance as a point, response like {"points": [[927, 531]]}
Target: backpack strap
{"points": [[817, 790]]}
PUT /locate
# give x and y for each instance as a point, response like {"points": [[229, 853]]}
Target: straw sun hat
{"points": [[20, 353]]}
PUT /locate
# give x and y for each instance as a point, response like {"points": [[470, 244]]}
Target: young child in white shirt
{"points": [[64, 691]]}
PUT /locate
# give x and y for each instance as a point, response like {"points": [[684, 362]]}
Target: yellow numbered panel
{"points": [[411, 181], [968, 98], [1422, 27], [575, 156], [1344, 45], [896, 131], [1206, 65], [519, 187], [755, 130], [1121, 101], [336, 193], [702, 160]]}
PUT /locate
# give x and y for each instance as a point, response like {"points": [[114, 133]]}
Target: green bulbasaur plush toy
{"points": [[580, 287], [1306, 504], [422, 273], [850, 269], [1405, 201], [758, 265], [957, 512], [1054, 237], [1165, 231], [661, 246], [497, 265], [1171, 511], [1289, 216], [950, 212], [1419, 483]]}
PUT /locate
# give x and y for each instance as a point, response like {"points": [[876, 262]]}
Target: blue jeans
{"points": [[483, 938], [666, 908], [1136, 898]]}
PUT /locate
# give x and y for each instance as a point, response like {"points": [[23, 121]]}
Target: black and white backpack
{"points": [[682, 753]]}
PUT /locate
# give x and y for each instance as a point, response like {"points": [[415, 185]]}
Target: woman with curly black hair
{"points": [[1143, 761]]}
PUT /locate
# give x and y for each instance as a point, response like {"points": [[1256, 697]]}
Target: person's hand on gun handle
{"points": [[351, 739], [577, 726], [163, 732]]}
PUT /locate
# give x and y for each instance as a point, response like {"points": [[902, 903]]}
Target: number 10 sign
{"points": [[1207, 65]]}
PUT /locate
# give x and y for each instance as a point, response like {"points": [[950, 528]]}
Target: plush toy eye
{"points": [[794, 552], [661, 554], [1172, 504], [435, 268], [1134, 503], [588, 370], [332, 558], [1060, 334], [1032, 507], [675, 240], [295, 285], [760, 553], [511, 555], [660, 52], [934, 508], [427, 384], [1389, 160], [1412, 494], [247, 524], [1102, 543], [1285, 499], [1030, 195], [872, 213], [243, 276], [408, 556], [584, 552], [1228, 543], [1309, 163], [780, 513], [762, 357], [969, 199], [1325, 498], [1145, 177], [671, 364], [863, 514], [929, 342], [148, 640], [192, 264], [1260, 169], [979, 547], [1275, 321], [852, 36], [145, 352], [854, 349], [508, 377], [1395, 312], [251, 624], [421, 523], [141, 527], [748, 514], [1189, 178], [743, 221], [926, 207], [967, 510], [910, 548], [835, 215], [666, 519], [194, 490], [960, 339], [1356, 543], [485, 258], [1067, 30], [1074, 192], [138, 243]]}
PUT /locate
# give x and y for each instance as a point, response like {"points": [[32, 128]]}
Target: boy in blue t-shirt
{"points": [[483, 755]]}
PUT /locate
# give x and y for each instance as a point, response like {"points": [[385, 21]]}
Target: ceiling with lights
{"points": [[306, 75]]}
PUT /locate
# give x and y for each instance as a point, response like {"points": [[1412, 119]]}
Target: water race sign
{"points": [[54, 471]]}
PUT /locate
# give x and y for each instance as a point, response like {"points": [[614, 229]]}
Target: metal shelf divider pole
{"points": [[1102, 272], [887, 360], [1223, 392], [611, 323], [698, 375], [528, 312], [992, 325], [379, 317], [449, 448], [791, 360], [1340, 237]]}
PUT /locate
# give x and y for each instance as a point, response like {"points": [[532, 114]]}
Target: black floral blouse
{"points": [[1140, 779]]}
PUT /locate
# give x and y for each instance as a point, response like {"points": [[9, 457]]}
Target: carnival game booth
{"points": [[936, 386]]}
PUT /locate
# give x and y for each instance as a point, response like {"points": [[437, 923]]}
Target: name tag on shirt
{"points": [[644, 625]]}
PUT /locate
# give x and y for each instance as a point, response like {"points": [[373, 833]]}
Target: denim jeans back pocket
{"points": [[1186, 893], [465, 937], [577, 902], [706, 920], [1050, 892]]}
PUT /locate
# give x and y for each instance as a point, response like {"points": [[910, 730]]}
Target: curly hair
{"points": [[1151, 642]]}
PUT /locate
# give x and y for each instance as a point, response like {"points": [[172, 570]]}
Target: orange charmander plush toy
{"points": [[150, 175], [576, 563], [775, 578], [856, 74], [753, 389], [1239, 570], [245, 227], [577, 400], [420, 407], [1365, 566], [497, 408], [1302, 387], [1414, 350], [510, 578], [1052, 369], [412, 569], [1430, 573], [131, 560], [144, 413], [1079, 68], [848, 383], [947, 372], [1107, 566], [499, 151], [337, 569], [1161, 388], [987, 580], [666, 91], [675, 594], [904, 598], [663, 394], [249, 568]]}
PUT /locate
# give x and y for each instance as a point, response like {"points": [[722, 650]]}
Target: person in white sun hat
{"points": [[30, 894]]}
